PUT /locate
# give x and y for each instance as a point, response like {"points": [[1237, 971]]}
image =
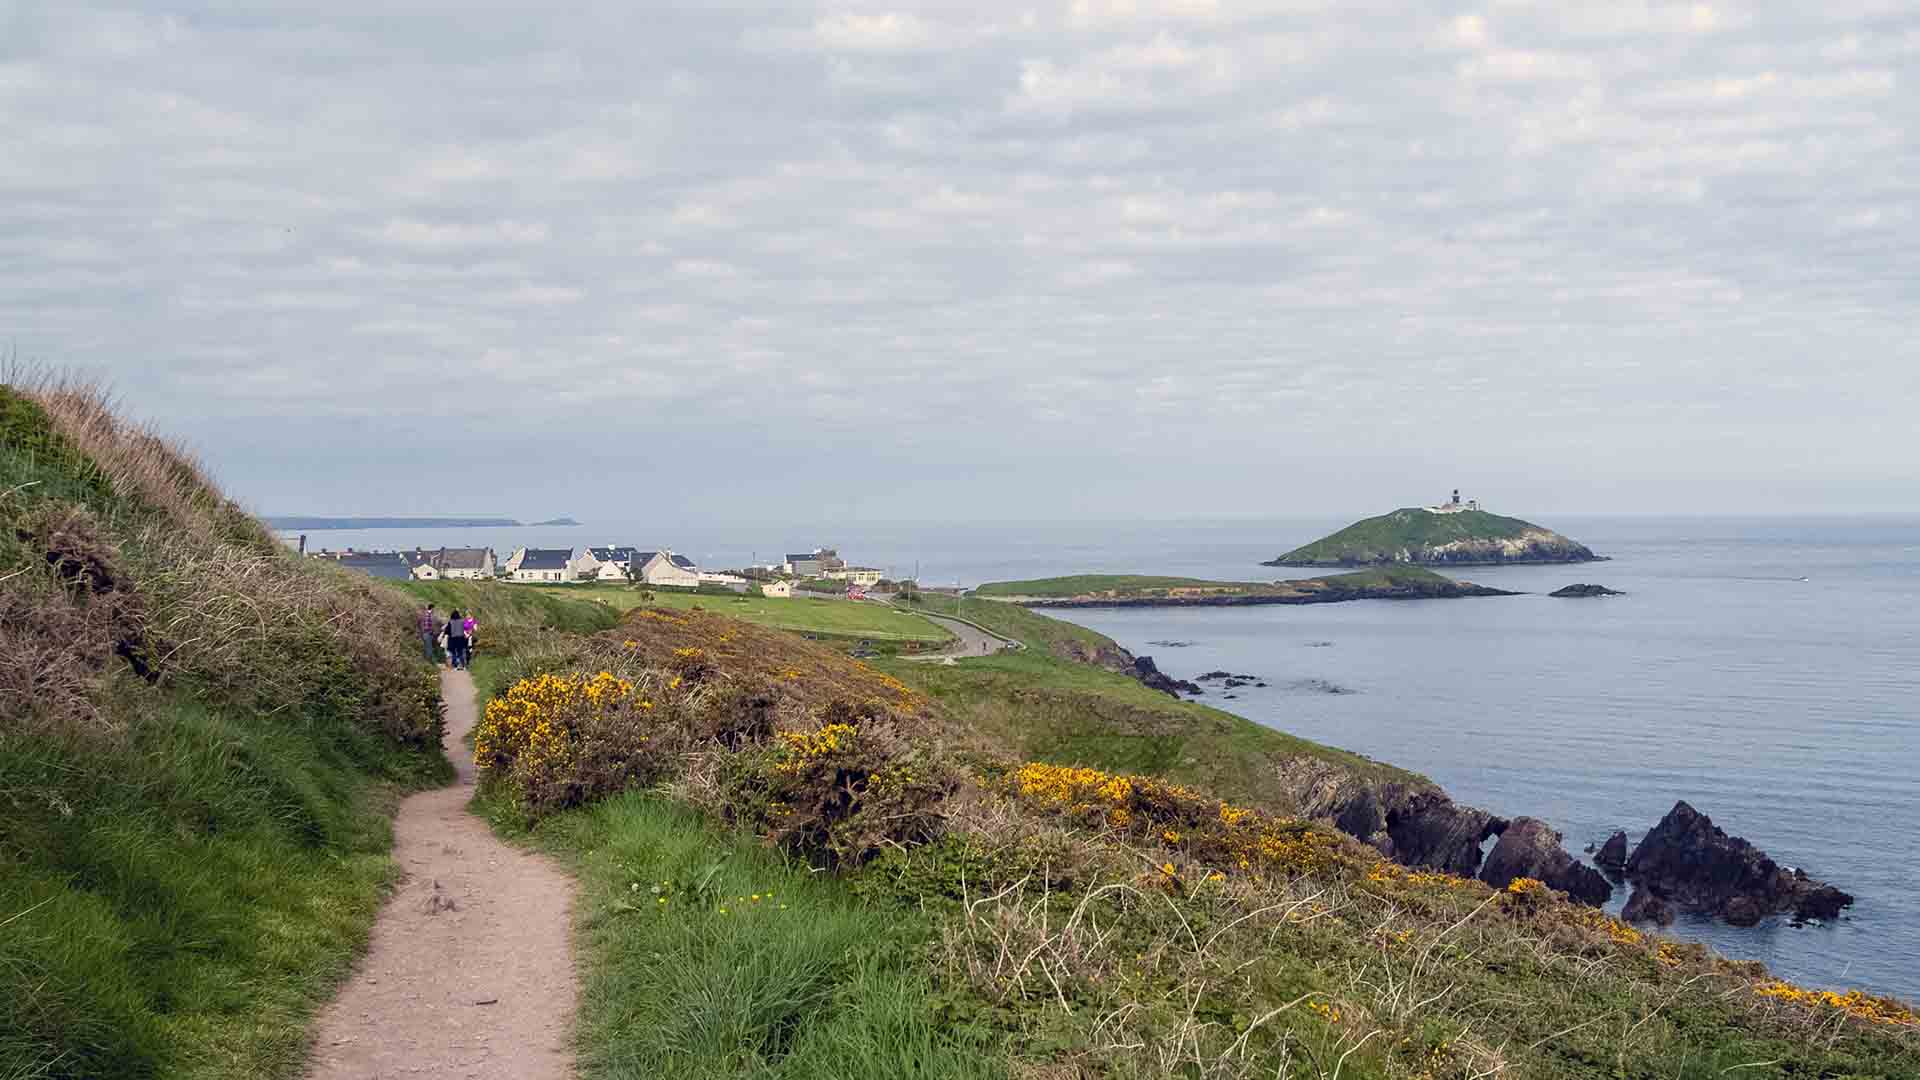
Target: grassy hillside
{"points": [[1034, 918], [200, 736], [1414, 532]]}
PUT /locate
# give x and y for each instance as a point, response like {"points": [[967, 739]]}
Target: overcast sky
{"points": [[1095, 258]]}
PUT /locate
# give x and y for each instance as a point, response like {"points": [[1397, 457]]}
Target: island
{"points": [[1455, 533], [1138, 590], [552, 522]]}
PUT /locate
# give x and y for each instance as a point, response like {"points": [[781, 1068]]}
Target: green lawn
{"points": [[707, 955], [832, 617]]}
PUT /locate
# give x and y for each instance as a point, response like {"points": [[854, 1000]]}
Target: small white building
{"points": [[1454, 505], [781, 589], [422, 565], [863, 576]]}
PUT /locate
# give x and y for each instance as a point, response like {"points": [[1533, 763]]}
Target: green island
{"points": [[1438, 536], [1393, 582], [789, 862]]}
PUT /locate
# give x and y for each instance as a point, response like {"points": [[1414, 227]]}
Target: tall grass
{"points": [[200, 738], [710, 956]]}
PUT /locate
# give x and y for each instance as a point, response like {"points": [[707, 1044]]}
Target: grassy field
{"points": [[193, 820], [707, 955], [1051, 636], [836, 617]]}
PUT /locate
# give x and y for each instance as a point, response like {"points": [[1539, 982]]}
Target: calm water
{"points": [[1765, 670]]}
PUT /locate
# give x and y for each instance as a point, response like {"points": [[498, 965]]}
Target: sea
{"points": [[1764, 669]]}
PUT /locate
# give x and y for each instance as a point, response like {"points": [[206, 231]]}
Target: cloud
{"points": [[884, 242]]}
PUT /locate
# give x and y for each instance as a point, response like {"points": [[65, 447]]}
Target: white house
{"points": [[422, 564], [665, 568], [863, 576], [603, 563], [541, 565], [471, 564], [776, 588]]}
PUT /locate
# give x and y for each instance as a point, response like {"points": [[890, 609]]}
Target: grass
{"points": [[707, 955], [1051, 636], [1046, 709], [837, 618], [200, 739]]}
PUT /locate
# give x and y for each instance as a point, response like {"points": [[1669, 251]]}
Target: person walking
{"points": [[429, 629], [457, 640], [472, 627]]}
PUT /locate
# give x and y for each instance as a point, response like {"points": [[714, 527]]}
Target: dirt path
{"points": [[470, 971]]}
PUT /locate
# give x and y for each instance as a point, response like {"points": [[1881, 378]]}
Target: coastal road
{"points": [[968, 639]]}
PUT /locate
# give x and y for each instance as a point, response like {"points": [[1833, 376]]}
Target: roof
{"points": [[389, 565], [682, 562], [464, 558], [611, 554], [546, 558], [810, 556]]}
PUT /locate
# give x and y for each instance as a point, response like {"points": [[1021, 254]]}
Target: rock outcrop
{"points": [[1644, 906], [1692, 864], [1613, 853], [1153, 678], [1585, 590], [1530, 848], [1412, 821]]}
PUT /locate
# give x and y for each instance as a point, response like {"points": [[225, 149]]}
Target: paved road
{"points": [[968, 640]]}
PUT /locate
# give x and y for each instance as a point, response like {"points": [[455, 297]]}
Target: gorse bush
{"points": [[199, 735]]}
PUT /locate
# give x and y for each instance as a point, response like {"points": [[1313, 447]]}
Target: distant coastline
{"points": [[295, 522]]}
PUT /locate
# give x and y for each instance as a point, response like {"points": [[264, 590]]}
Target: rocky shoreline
{"points": [[1325, 590]]}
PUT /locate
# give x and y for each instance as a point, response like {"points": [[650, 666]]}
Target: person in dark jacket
{"points": [[457, 640]]}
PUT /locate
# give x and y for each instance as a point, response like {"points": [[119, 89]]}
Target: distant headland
{"points": [[1139, 590], [294, 521], [1454, 533]]}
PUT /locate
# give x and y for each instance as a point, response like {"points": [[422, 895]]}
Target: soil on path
{"points": [[470, 970]]}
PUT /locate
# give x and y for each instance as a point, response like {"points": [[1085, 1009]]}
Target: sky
{"points": [[1101, 258]]}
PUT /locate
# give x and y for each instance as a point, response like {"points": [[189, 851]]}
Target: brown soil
{"points": [[470, 970]]}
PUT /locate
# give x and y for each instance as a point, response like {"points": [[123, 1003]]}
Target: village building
{"points": [[667, 569], [388, 565], [420, 564], [608, 563], [1454, 505], [782, 589], [540, 565], [466, 564], [862, 576], [815, 563]]}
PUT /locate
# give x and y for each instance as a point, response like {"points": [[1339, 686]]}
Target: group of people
{"points": [[454, 637]]}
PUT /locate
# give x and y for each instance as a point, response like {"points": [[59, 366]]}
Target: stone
{"points": [[1613, 853], [1530, 848], [1644, 906], [1689, 861]]}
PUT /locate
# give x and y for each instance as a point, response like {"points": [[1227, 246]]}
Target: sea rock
{"points": [[1411, 821], [1586, 590], [1692, 863], [1644, 906], [1613, 853], [1150, 674], [1530, 848]]}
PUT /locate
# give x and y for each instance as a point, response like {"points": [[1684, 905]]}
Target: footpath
{"points": [[470, 970]]}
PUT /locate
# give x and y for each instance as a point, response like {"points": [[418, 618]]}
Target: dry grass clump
{"points": [[116, 541]]}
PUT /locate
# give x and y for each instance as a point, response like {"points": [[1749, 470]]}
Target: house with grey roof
{"points": [[666, 568], [548, 565], [388, 565], [472, 564]]}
